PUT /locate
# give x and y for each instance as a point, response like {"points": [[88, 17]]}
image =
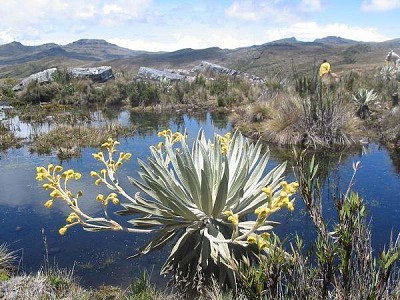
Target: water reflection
{"points": [[98, 257], [101, 258]]}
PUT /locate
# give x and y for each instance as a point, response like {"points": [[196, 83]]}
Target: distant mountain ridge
{"points": [[18, 60], [84, 49]]}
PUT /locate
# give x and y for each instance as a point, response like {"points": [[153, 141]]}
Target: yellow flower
{"points": [[62, 230], [41, 170], [48, 204], [98, 156], [284, 200], [98, 181], [159, 146], [295, 184], [58, 168], [103, 171], [268, 191], [228, 213], [262, 211], [94, 174], [283, 194], [105, 145], [261, 243], [46, 186], [290, 206], [265, 235], [55, 194], [100, 197], [251, 239], [234, 219], [40, 176], [72, 216], [78, 176], [115, 201], [127, 156]]}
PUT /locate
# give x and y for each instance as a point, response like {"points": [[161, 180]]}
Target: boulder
{"points": [[205, 66], [42, 77], [158, 75], [96, 74]]}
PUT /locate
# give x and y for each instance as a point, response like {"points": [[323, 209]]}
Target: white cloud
{"points": [[253, 10], [380, 5], [311, 5], [6, 37], [308, 31], [222, 39]]}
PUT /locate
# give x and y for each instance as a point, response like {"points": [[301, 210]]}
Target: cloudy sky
{"points": [[166, 25]]}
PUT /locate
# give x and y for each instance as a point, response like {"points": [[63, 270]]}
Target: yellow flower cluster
{"points": [[110, 145], [111, 197], [72, 218], [262, 240], [225, 142], [231, 217], [53, 177], [276, 202], [172, 137]]}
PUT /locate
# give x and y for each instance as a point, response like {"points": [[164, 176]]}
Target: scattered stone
{"points": [[158, 75]]}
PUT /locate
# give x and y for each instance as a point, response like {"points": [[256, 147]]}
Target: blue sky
{"points": [[162, 25]]}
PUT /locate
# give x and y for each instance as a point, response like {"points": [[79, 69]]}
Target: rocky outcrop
{"points": [[205, 66], [158, 75], [171, 75], [42, 77], [96, 74]]}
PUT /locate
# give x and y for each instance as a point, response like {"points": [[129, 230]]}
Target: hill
{"points": [[17, 60]]}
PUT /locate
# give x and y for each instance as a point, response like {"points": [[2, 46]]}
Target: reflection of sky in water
{"points": [[101, 257]]}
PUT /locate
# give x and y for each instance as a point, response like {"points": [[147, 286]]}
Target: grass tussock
{"points": [[289, 119], [8, 139], [67, 140]]}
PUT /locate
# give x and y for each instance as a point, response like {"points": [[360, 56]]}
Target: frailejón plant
{"points": [[199, 198]]}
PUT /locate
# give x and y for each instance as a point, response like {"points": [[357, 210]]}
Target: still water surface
{"points": [[100, 258]]}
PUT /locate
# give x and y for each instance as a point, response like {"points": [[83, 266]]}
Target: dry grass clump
{"points": [[7, 138], [289, 119], [390, 128], [55, 284], [68, 140]]}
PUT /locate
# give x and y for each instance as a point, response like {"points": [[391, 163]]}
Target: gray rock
{"points": [[205, 66], [158, 75], [97, 74], [42, 77]]}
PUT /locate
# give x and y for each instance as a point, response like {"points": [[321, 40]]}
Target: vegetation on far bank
{"points": [[284, 110]]}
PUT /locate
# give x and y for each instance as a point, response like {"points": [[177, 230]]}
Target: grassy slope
{"points": [[259, 60]]}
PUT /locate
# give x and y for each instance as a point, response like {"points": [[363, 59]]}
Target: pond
{"points": [[101, 258]]}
